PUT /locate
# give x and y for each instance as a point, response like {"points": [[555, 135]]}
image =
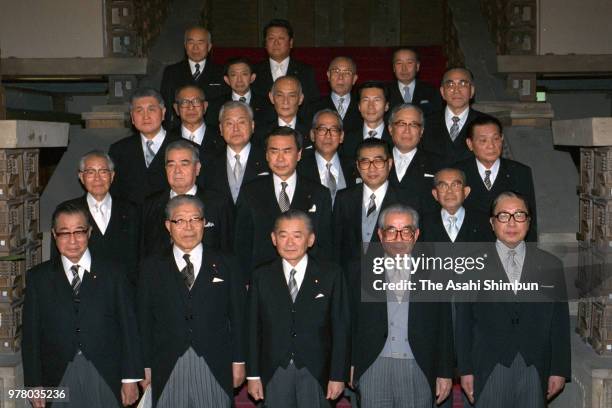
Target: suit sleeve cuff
{"points": [[238, 362], [253, 378], [130, 380]]}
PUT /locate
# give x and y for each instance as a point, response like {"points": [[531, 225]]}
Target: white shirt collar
{"points": [[290, 189], [336, 99], [193, 63], [192, 191], [380, 129], [494, 170], [401, 161], [84, 263], [106, 202], [198, 133], [448, 117], [247, 96], [411, 85], [158, 139], [290, 124], [322, 166], [300, 270], [380, 193], [460, 214], [284, 65], [195, 257], [244, 155]]}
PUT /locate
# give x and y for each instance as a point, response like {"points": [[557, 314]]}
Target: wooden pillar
{"points": [[2, 97]]}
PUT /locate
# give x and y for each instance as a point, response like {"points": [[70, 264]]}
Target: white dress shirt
{"points": [[448, 118], [401, 161], [335, 168], [279, 69], [290, 189], [101, 211], [192, 191], [158, 139], [460, 216], [195, 257], [379, 130], [244, 156], [380, 193], [345, 103], [290, 124], [494, 170], [300, 270], [198, 133], [247, 96], [193, 68], [411, 86]]}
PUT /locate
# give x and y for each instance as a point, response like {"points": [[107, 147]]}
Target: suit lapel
{"points": [[309, 285], [280, 282], [301, 197], [176, 278], [62, 286]]}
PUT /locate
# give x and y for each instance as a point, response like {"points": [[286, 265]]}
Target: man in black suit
{"points": [[299, 323], [191, 309], [446, 130], [342, 75], [413, 168], [278, 39], [324, 165], [263, 199], [488, 174], [286, 97], [409, 89], [139, 169], [513, 346], [196, 69], [79, 324], [190, 105], [453, 222], [115, 223], [402, 346], [182, 168], [372, 105], [220, 172], [356, 209], [239, 76]]}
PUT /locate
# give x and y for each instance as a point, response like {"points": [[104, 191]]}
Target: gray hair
{"points": [[182, 199], [290, 77], [332, 112], [144, 93], [460, 172], [405, 106], [236, 105], [97, 154], [399, 209], [293, 214], [347, 59], [183, 145], [197, 27]]}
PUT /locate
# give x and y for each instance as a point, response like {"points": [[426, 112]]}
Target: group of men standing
{"points": [[230, 246]]}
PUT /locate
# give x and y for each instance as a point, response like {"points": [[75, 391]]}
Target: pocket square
{"points": [[216, 280], [308, 147], [358, 180], [265, 173], [313, 208], [428, 175], [547, 286], [320, 295], [209, 224], [214, 84], [424, 101]]}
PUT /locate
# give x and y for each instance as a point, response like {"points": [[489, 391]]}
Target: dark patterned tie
{"points": [[188, 273], [242, 99], [454, 130], [76, 281], [487, 179], [283, 198], [149, 153], [197, 72], [372, 133], [293, 288], [372, 205]]}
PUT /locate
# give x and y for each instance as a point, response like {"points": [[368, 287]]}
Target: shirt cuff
{"points": [[238, 362], [253, 378], [130, 380]]}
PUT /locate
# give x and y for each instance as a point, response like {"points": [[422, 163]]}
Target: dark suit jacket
{"points": [[257, 210], [418, 179], [430, 330], [305, 73], [265, 129], [211, 143], [307, 167], [489, 332], [425, 96], [133, 179], [512, 176], [155, 237], [262, 109], [313, 331], [213, 175], [179, 74], [102, 325], [121, 240], [436, 138], [354, 137], [210, 318], [475, 228], [347, 220], [352, 118]]}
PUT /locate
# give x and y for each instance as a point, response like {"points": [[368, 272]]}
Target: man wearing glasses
{"points": [[79, 322], [324, 165], [446, 129], [488, 174], [115, 223], [513, 347], [402, 346], [356, 209], [191, 311]]}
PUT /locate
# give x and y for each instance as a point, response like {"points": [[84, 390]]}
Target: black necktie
{"points": [[197, 72], [242, 99], [76, 281], [188, 273]]}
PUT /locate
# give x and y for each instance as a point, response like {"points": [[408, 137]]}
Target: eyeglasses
{"points": [[323, 131], [401, 125], [66, 235], [182, 222], [455, 185], [91, 173], [185, 103], [341, 72], [391, 233], [460, 84], [378, 163], [519, 216]]}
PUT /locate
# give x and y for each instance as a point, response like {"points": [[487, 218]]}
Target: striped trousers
{"points": [[86, 387], [294, 388]]}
